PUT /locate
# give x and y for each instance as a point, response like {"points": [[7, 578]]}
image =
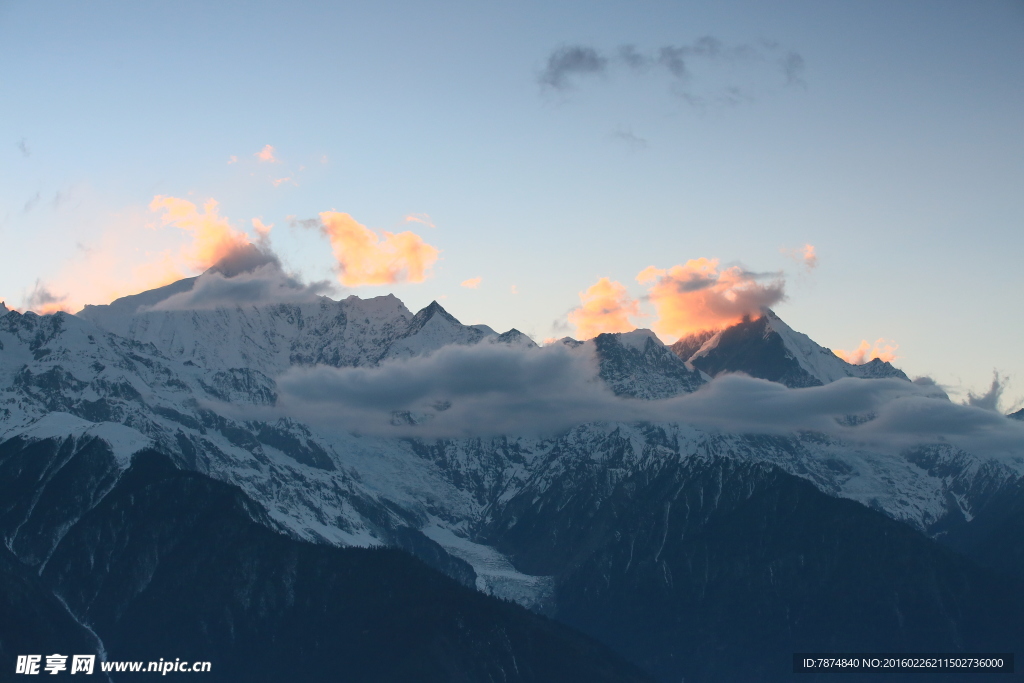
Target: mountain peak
{"points": [[428, 312], [637, 364], [767, 348], [515, 338], [638, 338]]}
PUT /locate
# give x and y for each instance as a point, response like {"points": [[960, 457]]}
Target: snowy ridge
{"points": [[768, 348], [820, 362], [124, 441], [176, 380]]}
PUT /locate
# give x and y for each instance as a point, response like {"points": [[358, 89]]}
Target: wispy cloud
{"points": [[267, 155], [422, 218], [793, 69], [627, 136], [990, 399], [43, 301], [31, 203], [471, 283], [568, 66], [571, 62], [24, 148], [806, 256]]}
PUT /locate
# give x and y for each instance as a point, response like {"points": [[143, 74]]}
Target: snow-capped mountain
{"points": [[176, 378], [79, 395], [637, 364], [767, 348]]}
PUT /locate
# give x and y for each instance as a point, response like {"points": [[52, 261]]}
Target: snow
{"points": [[124, 441], [637, 339], [494, 573], [446, 489], [816, 360]]}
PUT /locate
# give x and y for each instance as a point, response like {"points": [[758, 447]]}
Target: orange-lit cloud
{"points": [[134, 254], [213, 238], [881, 349], [366, 259], [420, 218], [698, 296], [232, 160], [805, 255], [266, 154], [471, 283], [280, 181], [607, 307]]}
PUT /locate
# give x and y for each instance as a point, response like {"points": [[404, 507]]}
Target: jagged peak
{"points": [[515, 338], [432, 309], [569, 342]]}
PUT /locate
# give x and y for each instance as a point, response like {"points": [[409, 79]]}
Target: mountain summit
{"points": [[768, 348]]}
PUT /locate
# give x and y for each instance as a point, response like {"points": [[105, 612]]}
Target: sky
{"points": [[564, 168]]}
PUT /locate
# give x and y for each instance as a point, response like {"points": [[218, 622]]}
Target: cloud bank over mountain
{"points": [[490, 389]]}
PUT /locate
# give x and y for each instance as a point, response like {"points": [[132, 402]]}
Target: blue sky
{"points": [[896, 149]]}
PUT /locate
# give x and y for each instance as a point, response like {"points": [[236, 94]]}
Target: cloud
{"points": [[805, 256], [31, 203], [264, 284], [683, 62], [607, 307], [266, 154], [481, 389], [232, 160], [281, 181], [471, 283], [990, 399], [491, 389], [420, 218], [569, 62], [24, 148], [129, 258], [43, 301], [213, 238], [514, 289], [627, 136], [631, 57], [793, 69], [366, 259], [698, 296], [881, 349]]}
